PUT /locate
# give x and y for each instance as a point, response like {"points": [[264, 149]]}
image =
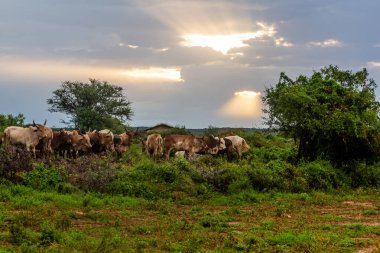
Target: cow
{"points": [[78, 143], [28, 137], [101, 141], [61, 143], [226, 148], [212, 145], [154, 146], [188, 143], [44, 145], [122, 142], [238, 144]]}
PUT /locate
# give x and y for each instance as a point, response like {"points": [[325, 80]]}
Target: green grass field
{"points": [[263, 203], [32, 221]]}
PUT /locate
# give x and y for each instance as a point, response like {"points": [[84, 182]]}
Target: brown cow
{"points": [[213, 145], [61, 143], [188, 143], [78, 142], [154, 145], [122, 142], [101, 141]]}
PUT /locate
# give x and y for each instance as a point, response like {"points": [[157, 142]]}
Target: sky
{"points": [[195, 63]]}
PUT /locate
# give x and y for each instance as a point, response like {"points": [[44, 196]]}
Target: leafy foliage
{"points": [[10, 120], [332, 114], [94, 105]]}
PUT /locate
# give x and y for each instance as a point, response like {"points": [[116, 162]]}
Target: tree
{"points": [[10, 120], [333, 114], [94, 105]]}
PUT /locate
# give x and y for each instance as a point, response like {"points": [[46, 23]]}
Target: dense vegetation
{"points": [[332, 115], [98, 204]]}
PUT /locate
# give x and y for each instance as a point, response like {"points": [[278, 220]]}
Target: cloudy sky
{"points": [[194, 63]]}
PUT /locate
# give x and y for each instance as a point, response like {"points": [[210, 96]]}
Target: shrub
{"points": [[12, 164], [44, 177], [320, 175], [365, 175], [152, 181], [90, 173], [49, 234], [277, 175]]}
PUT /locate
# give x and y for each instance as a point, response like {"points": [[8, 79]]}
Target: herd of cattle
{"points": [[42, 140]]}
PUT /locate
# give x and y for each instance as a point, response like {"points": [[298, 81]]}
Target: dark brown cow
{"points": [[188, 143], [153, 146], [213, 145], [61, 143]]}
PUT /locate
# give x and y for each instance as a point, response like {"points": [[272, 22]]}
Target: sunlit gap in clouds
{"points": [[37, 69], [225, 42], [243, 105], [170, 74]]}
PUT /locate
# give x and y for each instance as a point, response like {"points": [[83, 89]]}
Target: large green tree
{"points": [[332, 114], [93, 105]]}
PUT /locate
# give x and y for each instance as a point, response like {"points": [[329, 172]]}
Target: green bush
{"points": [[277, 175], [43, 177], [155, 180], [363, 175], [321, 175]]}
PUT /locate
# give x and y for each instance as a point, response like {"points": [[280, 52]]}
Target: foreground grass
{"points": [[33, 221]]}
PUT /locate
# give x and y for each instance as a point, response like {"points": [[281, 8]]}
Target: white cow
{"points": [[28, 136], [238, 144]]}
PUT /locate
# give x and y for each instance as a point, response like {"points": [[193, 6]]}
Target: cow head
{"points": [[212, 144], [42, 131], [245, 146]]}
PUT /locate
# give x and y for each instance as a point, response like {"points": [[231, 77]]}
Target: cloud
{"points": [[154, 73], [373, 64], [281, 42], [225, 42], [326, 43], [45, 69]]}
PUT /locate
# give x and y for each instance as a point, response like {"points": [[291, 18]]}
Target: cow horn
{"points": [[45, 122]]}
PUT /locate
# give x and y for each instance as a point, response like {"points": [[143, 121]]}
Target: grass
{"points": [[263, 203], [32, 221]]}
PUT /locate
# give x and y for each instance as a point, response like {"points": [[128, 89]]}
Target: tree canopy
{"points": [[332, 114], [93, 105], [10, 120]]}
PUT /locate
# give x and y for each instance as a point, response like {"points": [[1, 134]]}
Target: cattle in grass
{"points": [[79, 142], [154, 146], [239, 145], [212, 145], [61, 143], [188, 143], [28, 137], [101, 141], [123, 142]]}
